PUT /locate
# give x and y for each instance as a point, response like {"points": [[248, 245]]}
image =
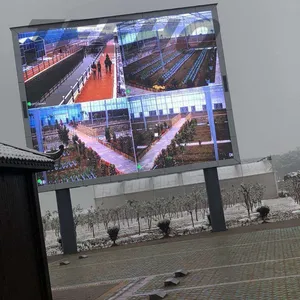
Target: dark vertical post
{"points": [[66, 221], [36, 219], [214, 199]]}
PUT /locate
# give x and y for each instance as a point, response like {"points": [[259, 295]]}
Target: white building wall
{"points": [[268, 179]]}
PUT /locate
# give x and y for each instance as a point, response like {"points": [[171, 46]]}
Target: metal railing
{"points": [[45, 64], [57, 85]]}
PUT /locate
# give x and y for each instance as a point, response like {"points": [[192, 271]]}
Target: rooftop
{"points": [[11, 156]]}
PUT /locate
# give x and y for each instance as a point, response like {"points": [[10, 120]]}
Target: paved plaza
{"points": [[255, 262], [122, 164]]}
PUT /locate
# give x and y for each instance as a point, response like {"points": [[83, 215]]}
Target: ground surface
{"points": [[254, 262]]}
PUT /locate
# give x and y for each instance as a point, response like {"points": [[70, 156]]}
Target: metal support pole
{"points": [[214, 199], [66, 221]]}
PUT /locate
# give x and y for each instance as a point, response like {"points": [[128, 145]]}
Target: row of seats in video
{"points": [[196, 67], [177, 66], [66, 165], [152, 62], [73, 178], [139, 53], [159, 66], [148, 59], [146, 66]]}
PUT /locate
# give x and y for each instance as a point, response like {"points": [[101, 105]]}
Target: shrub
{"points": [[164, 226], [113, 233], [263, 212], [283, 194]]}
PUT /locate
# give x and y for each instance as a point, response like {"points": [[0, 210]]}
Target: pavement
{"points": [[123, 164], [253, 262], [148, 159]]}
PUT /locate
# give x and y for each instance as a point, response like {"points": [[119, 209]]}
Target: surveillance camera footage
{"points": [[126, 97]]}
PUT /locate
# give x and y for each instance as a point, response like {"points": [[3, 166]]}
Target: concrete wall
{"points": [[267, 179], [114, 194], [83, 196]]}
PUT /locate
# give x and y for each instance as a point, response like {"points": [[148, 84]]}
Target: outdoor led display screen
{"points": [[128, 95]]}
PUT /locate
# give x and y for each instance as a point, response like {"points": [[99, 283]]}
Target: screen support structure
{"points": [[214, 199], [66, 221]]}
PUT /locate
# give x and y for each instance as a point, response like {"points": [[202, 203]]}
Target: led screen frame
{"points": [[40, 25]]}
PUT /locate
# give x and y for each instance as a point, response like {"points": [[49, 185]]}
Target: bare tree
{"points": [[126, 214], [91, 220], [202, 201], [105, 217], [160, 207], [189, 206], [252, 195], [230, 197], [115, 214], [170, 206], [257, 193], [292, 185], [77, 216], [194, 196], [179, 202], [225, 198], [97, 216], [148, 212], [137, 208], [55, 223], [245, 191], [46, 220], [235, 196]]}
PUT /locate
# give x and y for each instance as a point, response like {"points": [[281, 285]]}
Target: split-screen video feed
{"points": [[126, 97]]}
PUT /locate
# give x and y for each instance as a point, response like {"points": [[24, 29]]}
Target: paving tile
{"points": [[253, 265]]}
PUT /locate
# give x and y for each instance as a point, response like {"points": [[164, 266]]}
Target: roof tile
{"points": [[11, 153]]}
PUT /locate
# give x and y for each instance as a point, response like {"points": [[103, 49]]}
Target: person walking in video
{"points": [[99, 69], [109, 65], [106, 62], [94, 70]]}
